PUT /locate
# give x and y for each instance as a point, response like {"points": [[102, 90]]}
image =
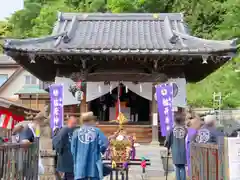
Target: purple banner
{"points": [[164, 94], [56, 97]]}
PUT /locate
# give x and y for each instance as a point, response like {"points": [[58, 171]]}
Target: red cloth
{"points": [[118, 103], [7, 117], [17, 119]]}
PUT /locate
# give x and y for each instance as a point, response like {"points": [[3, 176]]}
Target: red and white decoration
{"points": [[9, 120]]}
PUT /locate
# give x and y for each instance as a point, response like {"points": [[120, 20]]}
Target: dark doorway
{"points": [[139, 106]]}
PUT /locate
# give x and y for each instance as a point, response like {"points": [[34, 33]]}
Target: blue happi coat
{"points": [[175, 141], [208, 134], [88, 143], [62, 144]]}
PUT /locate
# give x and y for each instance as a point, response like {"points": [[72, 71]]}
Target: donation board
{"points": [[233, 158]]}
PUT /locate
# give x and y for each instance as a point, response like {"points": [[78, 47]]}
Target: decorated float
{"points": [[121, 151], [121, 146]]}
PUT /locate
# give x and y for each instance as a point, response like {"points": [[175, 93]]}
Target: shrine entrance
{"points": [[135, 108], [90, 48]]}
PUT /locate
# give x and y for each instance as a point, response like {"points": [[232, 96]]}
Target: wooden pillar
{"points": [[83, 105], [155, 131]]}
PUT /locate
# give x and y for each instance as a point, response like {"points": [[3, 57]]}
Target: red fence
{"points": [[207, 162], [19, 161]]}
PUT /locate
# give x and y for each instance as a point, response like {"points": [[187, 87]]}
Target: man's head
{"points": [[210, 120], [17, 129], [38, 120], [72, 122], [179, 119], [88, 118], [193, 120]]}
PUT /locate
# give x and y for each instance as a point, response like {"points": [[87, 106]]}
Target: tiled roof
{"points": [[7, 103], [31, 89], [121, 33]]}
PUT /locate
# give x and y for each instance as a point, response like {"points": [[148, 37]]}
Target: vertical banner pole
{"points": [[164, 94]]}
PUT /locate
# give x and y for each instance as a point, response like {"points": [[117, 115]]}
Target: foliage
{"points": [[211, 19], [224, 80]]}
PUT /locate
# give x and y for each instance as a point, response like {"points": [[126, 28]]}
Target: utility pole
{"points": [[217, 102]]}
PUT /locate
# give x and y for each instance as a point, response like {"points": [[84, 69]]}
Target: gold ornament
{"points": [[155, 16], [114, 165]]}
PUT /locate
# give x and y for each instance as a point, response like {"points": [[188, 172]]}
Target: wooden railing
{"points": [[19, 161], [207, 162]]}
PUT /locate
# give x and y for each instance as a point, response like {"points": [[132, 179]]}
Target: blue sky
{"points": [[8, 7]]}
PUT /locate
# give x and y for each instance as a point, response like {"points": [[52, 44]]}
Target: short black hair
{"points": [[179, 118]]}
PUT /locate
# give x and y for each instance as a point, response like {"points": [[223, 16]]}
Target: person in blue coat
{"points": [[176, 142], [88, 145], [62, 145], [208, 133]]}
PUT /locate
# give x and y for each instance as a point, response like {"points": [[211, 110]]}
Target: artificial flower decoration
{"points": [[143, 163]]}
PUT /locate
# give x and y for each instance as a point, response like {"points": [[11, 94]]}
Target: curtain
{"points": [[180, 99], [142, 89], [98, 89], [68, 98]]}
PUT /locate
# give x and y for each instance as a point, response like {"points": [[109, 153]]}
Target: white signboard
{"points": [[234, 158], [155, 119]]}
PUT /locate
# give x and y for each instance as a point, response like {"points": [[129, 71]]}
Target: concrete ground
{"points": [[156, 170], [170, 177]]}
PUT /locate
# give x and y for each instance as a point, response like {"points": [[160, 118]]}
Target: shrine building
{"points": [[121, 55]]}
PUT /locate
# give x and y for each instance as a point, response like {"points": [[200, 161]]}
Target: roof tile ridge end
{"points": [[186, 36], [59, 16], [234, 42], [182, 16], [9, 42]]}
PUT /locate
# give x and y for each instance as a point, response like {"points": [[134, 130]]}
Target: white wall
{"points": [[8, 71], [14, 86]]}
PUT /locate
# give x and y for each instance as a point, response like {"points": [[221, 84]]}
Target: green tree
{"points": [[211, 19]]}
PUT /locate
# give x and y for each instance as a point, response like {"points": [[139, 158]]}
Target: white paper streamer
{"points": [[99, 89], [110, 89], [126, 89], [140, 86]]}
